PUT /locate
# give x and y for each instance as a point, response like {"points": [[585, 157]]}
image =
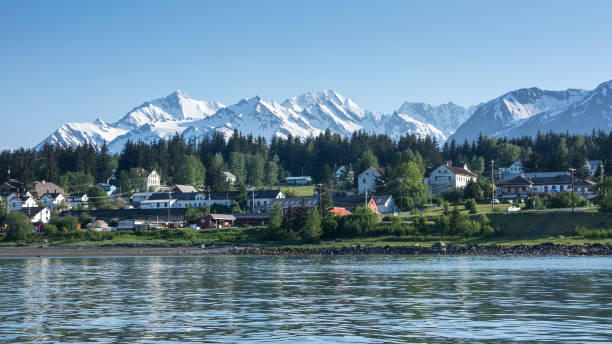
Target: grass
{"points": [[299, 191]]}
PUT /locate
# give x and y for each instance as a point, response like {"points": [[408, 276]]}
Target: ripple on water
{"points": [[314, 298]]}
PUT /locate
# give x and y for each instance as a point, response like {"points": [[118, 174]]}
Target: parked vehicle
{"points": [[513, 208]]}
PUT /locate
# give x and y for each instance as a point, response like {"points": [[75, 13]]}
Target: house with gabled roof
{"points": [[78, 200], [263, 198], [449, 176], [548, 184], [368, 178], [53, 199], [37, 214], [19, 201]]}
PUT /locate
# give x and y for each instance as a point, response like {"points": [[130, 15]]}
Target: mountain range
{"points": [[517, 113]]}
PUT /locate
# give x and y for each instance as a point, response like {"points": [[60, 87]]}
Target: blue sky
{"points": [[64, 61]]}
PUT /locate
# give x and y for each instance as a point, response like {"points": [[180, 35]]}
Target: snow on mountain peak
{"points": [[175, 106]]}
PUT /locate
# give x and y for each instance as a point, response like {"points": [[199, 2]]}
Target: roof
{"points": [[32, 211], [339, 211], [265, 194], [221, 195], [299, 177], [185, 188], [460, 170], [53, 195], [292, 202], [252, 216], [228, 217], [559, 179], [228, 174], [77, 195], [377, 169], [41, 187], [100, 223], [357, 200], [350, 201], [338, 168]]}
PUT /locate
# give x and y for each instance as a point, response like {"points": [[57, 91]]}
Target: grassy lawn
{"points": [[299, 191]]}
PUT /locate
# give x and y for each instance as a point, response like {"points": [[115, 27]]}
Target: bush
{"points": [[593, 233], [19, 226], [564, 200], [453, 195], [470, 205]]}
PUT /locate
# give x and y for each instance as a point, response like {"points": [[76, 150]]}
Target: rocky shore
{"points": [[544, 249]]}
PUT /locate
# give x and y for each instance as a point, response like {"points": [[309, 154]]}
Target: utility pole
{"points": [[571, 170], [401, 180], [168, 209], [320, 187], [492, 186], [253, 200], [601, 172], [366, 197]]}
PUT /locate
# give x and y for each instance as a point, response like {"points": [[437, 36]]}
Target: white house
{"points": [[228, 177], [53, 200], [386, 204], [159, 200], [20, 201], [367, 179], [153, 181], [264, 199], [448, 176], [37, 214], [78, 200], [516, 168]]}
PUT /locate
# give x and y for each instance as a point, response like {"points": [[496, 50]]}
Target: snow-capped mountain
{"points": [[591, 111], [445, 117], [517, 113], [176, 106], [508, 112], [304, 115]]}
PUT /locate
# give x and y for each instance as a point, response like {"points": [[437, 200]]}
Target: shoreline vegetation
{"points": [[540, 233]]}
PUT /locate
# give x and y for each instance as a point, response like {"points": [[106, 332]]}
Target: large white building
{"points": [[448, 176], [367, 179], [153, 181]]}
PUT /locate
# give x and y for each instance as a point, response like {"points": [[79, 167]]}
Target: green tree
{"points": [[470, 205], [238, 166], [472, 190], [96, 196], [241, 195], [19, 226], [271, 171], [255, 167], [276, 218], [132, 180], [367, 159], [604, 194], [189, 171], [74, 182], [312, 228]]}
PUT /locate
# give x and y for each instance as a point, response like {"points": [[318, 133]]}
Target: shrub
{"points": [[470, 205]]}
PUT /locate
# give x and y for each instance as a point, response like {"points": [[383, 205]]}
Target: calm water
{"points": [[298, 299]]}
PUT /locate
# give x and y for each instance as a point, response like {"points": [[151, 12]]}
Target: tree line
{"points": [[258, 162]]}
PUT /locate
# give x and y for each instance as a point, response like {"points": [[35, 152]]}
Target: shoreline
{"points": [[544, 249]]}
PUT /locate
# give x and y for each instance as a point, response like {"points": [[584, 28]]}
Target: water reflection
{"points": [[317, 298]]}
